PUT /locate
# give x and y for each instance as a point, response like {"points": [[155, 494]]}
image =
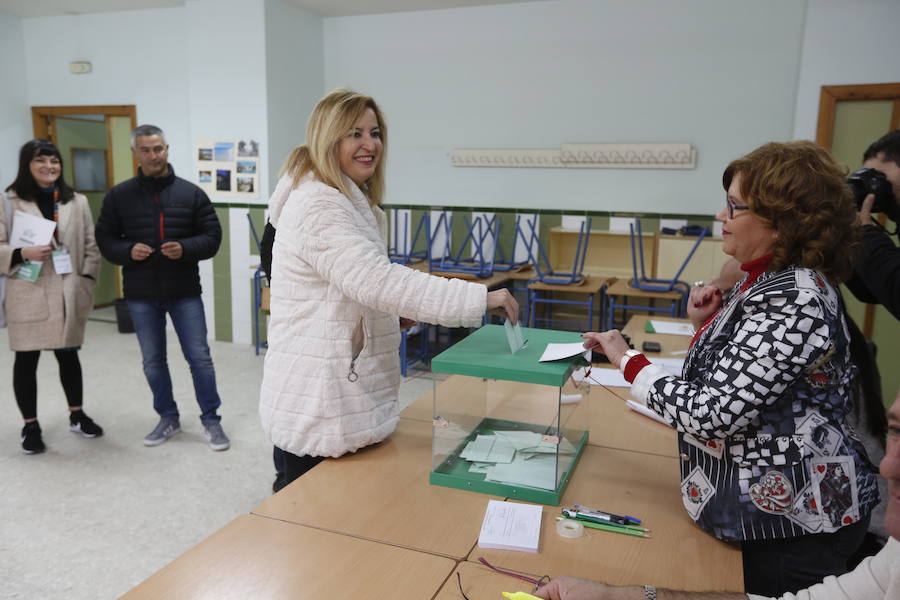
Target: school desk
{"points": [[382, 493], [679, 555], [266, 559]]}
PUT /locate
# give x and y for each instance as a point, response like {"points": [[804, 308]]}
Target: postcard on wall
{"points": [[228, 168]]}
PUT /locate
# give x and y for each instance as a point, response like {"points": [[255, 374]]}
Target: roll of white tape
{"points": [[569, 529]]}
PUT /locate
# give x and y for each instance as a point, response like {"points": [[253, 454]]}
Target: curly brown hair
{"points": [[798, 189]]}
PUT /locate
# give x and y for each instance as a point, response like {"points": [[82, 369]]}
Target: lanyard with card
{"points": [[29, 271], [62, 261]]}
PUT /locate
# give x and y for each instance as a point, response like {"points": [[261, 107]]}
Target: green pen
{"points": [[583, 516], [611, 528]]}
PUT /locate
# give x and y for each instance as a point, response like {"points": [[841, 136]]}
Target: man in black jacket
{"points": [[876, 279], [158, 227]]}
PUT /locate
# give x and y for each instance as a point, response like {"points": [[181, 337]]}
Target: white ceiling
{"points": [[327, 8]]}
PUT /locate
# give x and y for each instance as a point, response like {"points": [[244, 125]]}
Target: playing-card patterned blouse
{"points": [[760, 409]]}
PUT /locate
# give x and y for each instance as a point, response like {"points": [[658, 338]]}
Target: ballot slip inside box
{"points": [[505, 423]]}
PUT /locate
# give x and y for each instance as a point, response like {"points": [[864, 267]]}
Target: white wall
{"points": [[15, 115], [295, 77], [845, 43], [226, 73], [719, 74], [138, 58]]}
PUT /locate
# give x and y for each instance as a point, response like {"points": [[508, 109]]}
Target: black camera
{"points": [[871, 181]]}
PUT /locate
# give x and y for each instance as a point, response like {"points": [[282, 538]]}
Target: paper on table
{"points": [[640, 408], [514, 336], [29, 230], [673, 365], [608, 377], [614, 378], [511, 526], [670, 328], [558, 351]]}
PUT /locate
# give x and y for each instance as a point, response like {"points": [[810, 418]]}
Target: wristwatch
{"points": [[649, 592], [629, 354]]}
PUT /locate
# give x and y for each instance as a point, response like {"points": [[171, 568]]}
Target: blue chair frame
{"points": [[454, 263], [500, 261], [649, 284], [404, 258], [560, 277]]}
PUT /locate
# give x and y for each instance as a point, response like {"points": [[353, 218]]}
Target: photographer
{"points": [[876, 279]]}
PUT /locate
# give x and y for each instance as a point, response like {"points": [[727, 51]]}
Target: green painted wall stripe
{"points": [[258, 217], [222, 280]]}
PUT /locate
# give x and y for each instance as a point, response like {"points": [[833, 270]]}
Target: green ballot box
{"points": [[505, 423]]}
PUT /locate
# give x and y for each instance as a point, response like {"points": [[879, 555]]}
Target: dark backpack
{"points": [[265, 250]]}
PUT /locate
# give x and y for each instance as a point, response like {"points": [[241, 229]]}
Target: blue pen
{"points": [[625, 518]]}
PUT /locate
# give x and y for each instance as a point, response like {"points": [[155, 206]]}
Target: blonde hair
{"points": [[331, 120]]}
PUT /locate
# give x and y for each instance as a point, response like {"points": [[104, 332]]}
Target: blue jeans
{"points": [[149, 318]]}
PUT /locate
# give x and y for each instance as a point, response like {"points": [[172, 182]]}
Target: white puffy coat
{"points": [[335, 301]]}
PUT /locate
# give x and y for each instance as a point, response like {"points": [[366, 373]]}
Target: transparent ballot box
{"points": [[506, 424]]}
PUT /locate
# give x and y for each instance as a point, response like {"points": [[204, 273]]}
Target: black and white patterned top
{"points": [[760, 411]]}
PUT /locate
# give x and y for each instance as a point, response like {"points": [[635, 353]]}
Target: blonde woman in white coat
{"points": [[49, 313], [332, 371]]}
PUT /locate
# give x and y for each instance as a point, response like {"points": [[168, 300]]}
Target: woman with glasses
{"points": [[767, 458], [50, 287]]}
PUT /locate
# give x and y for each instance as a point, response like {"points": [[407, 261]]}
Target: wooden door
{"points": [[850, 118], [68, 126]]}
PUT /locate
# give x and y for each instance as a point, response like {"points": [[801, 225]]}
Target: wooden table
{"points": [[382, 493], [592, 287], [680, 555], [265, 559], [673, 346], [370, 524], [621, 289], [615, 425], [480, 582]]}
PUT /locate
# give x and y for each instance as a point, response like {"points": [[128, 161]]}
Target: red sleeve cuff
{"points": [[634, 366]]}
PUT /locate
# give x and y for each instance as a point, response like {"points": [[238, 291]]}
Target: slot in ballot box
{"points": [[506, 424]]}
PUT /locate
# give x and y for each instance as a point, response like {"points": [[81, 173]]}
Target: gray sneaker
{"points": [[165, 429], [216, 437]]}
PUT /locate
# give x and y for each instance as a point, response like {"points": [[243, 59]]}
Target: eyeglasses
{"points": [[733, 207], [535, 582]]}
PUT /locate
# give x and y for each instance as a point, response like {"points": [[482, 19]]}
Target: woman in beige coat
{"points": [[50, 312]]}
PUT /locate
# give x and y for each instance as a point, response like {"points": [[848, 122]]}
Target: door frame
{"points": [[832, 94], [41, 119], [828, 99]]}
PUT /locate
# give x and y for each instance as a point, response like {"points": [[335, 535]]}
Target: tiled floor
{"points": [[91, 518]]}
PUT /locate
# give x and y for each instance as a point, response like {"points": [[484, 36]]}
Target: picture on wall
{"points": [[223, 180], [245, 184], [221, 174], [224, 152], [248, 148]]}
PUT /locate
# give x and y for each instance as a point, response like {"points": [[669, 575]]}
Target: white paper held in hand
{"points": [[511, 526], [514, 336], [29, 230], [558, 351]]}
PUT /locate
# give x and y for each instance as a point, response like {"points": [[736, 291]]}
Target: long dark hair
{"points": [[25, 186]]}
